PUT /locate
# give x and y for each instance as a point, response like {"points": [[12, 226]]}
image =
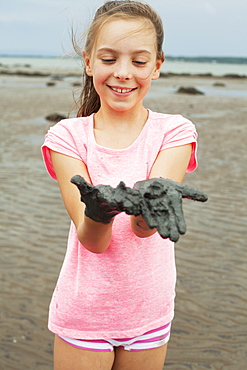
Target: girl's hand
{"points": [[162, 205], [104, 202]]}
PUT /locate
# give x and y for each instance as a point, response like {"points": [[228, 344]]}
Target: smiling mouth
{"points": [[122, 91]]}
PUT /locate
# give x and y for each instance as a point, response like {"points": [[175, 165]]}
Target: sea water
{"points": [[180, 66]]}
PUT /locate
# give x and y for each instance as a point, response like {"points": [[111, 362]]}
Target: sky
{"points": [[193, 27]]}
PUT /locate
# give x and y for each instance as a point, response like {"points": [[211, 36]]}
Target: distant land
{"points": [[224, 60]]}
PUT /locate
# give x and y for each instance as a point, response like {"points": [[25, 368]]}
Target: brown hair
{"points": [[89, 100]]}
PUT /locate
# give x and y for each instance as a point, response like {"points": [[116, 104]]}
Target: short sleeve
{"points": [[181, 131], [61, 138]]}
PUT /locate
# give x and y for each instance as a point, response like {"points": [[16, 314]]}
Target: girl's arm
{"points": [[94, 236], [170, 164]]}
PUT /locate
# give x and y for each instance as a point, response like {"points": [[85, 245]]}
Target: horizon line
{"points": [[167, 56]]}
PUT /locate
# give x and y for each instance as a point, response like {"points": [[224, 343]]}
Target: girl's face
{"points": [[123, 63]]}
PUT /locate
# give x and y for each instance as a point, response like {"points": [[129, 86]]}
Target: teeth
{"points": [[121, 90]]}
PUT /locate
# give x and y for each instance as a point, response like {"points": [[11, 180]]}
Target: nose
{"points": [[123, 71]]}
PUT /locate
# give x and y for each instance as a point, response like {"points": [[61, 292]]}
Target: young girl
{"points": [[114, 301]]}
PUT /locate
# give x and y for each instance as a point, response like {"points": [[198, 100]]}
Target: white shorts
{"points": [[151, 339]]}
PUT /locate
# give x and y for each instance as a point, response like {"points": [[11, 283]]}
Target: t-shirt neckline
{"points": [[111, 150]]}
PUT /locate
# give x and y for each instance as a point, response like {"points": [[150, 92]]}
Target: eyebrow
{"points": [[110, 50]]}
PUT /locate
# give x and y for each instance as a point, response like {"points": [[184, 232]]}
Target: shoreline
{"points": [[67, 66], [178, 58], [34, 73]]}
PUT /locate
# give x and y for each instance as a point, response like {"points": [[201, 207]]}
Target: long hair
{"points": [[89, 101]]}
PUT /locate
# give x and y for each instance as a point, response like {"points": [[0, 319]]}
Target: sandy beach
{"points": [[210, 326]]}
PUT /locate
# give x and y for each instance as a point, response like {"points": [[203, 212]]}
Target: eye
{"points": [[108, 60], [139, 63]]}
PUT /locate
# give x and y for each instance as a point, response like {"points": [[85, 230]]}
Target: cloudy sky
{"points": [[193, 27]]}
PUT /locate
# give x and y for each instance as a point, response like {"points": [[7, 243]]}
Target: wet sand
{"points": [[209, 330]]}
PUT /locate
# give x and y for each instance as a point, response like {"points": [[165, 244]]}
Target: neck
{"points": [[121, 120]]}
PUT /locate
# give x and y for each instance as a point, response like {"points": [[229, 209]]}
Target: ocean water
{"points": [[61, 63], [216, 69]]}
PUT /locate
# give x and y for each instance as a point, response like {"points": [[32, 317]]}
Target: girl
{"points": [[114, 301]]}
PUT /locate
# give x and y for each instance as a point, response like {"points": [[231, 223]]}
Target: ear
{"points": [[156, 72], [87, 63]]}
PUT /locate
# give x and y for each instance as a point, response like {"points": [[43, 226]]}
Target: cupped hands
{"points": [[158, 200]]}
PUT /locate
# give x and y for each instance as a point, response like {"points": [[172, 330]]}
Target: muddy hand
{"points": [[162, 205], [104, 202]]}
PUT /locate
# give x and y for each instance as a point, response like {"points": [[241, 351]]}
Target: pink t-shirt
{"points": [[130, 288]]}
